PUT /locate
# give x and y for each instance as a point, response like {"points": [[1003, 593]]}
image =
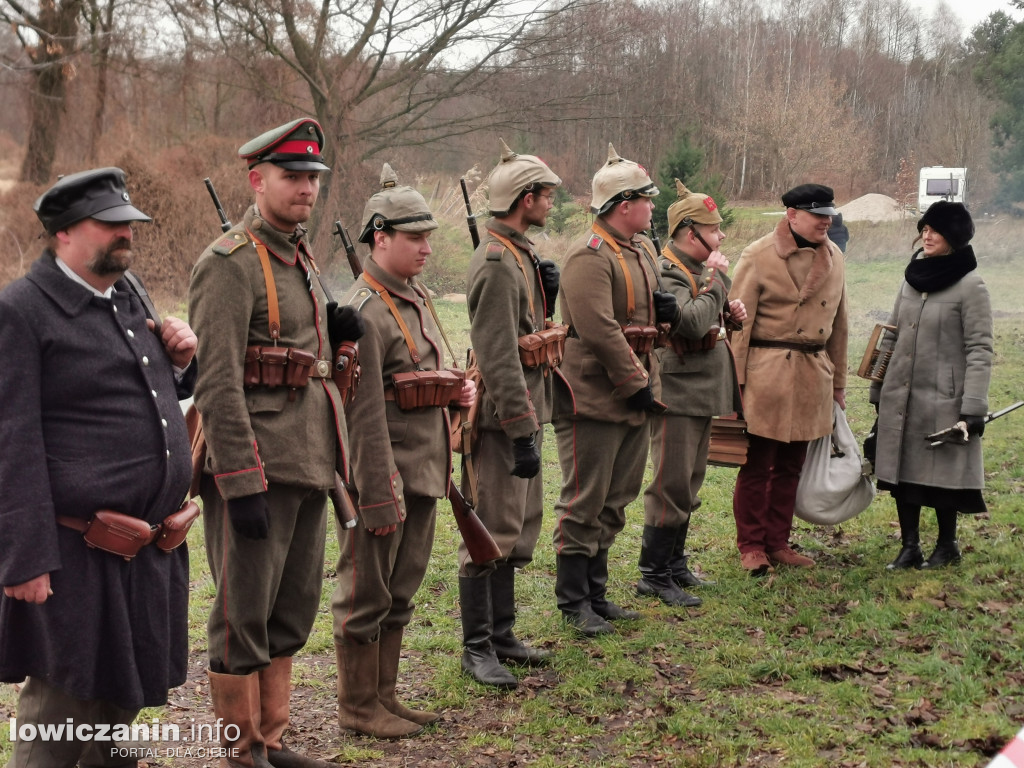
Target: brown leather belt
{"points": [[794, 345]]}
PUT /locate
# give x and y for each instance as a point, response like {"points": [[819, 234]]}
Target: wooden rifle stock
{"points": [[478, 540], [474, 234]]}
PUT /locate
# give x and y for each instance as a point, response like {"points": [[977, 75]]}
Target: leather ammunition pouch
{"points": [[640, 338], [125, 535], [346, 370], [708, 341], [663, 339], [426, 389], [282, 367], [545, 347]]}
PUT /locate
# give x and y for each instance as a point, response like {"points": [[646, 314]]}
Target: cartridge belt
{"points": [[794, 345]]}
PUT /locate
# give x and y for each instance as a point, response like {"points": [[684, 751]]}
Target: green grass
{"points": [[846, 664]]}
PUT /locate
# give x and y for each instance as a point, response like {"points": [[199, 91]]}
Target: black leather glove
{"points": [[975, 424], [641, 400], [871, 443], [526, 457], [250, 515], [549, 277], [665, 307], [344, 323]]}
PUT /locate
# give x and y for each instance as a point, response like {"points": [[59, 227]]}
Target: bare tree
{"points": [[383, 74], [49, 40]]}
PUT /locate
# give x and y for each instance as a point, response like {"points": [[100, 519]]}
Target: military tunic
{"points": [[288, 443], [400, 465], [602, 443], [695, 386], [506, 301]]}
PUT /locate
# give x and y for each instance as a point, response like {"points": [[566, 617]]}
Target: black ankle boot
{"points": [[478, 657], [656, 578], [946, 550], [910, 556], [945, 553]]}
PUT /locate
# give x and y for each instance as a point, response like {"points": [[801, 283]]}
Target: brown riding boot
{"points": [[359, 707], [275, 699], [387, 678], [236, 699]]}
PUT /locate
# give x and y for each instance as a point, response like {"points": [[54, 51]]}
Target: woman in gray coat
{"points": [[938, 376]]}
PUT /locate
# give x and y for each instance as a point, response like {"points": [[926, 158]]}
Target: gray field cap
{"points": [[395, 207]]}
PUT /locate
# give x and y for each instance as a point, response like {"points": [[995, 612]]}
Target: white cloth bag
{"points": [[833, 489]]}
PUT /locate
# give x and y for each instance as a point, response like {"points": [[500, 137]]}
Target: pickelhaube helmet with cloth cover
{"points": [[395, 207], [514, 174], [97, 194], [691, 208], [295, 146], [618, 180]]}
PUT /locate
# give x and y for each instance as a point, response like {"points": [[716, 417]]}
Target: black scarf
{"points": [[935, 273]]}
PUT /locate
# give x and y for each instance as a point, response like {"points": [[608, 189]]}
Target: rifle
{"points": [[474, 234], [475, 536], [957, 434], [656, 240], [350, 250], [225, 225]]}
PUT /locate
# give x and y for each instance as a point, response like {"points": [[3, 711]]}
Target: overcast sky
{"points": [[971, 12]]}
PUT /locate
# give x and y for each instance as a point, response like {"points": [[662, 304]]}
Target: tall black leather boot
{"points": [[946, 550], [910, 555], [478, 657], [655, 576], [681, 573], [572, 591], [508, 647], [597, 575]]}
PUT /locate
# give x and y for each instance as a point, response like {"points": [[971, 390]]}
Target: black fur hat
{"points": [[951, 220]]}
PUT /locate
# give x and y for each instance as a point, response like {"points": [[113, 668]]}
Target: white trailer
{"points": [[940, 183]]}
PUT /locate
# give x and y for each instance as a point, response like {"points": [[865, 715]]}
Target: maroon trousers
{"points": [[765, 494]]}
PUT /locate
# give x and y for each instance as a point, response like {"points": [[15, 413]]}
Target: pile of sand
{"points": [[872, 207]]}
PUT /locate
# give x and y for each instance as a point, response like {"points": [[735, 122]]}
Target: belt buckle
{"points": [[323, 369]]}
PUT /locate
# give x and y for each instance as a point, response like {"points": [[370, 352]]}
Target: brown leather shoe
{"points": [[756, 562], [787, 556]]}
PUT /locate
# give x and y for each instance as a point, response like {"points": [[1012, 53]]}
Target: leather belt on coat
{"points": [[794, 345]]}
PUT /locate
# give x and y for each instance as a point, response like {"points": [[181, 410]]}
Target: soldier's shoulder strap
{"points": [[230, 243], [360, 297], [595, 242], [494, 251]]}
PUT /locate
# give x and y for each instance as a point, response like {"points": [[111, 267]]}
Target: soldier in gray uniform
{"points": [[401, 462], [698, 381], [611, 301], [275, 436], [510, 292]]}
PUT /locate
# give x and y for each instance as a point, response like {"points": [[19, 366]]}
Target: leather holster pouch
{"points": [[273, 362], [346, 369], [118, 533], [175, 527]]}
